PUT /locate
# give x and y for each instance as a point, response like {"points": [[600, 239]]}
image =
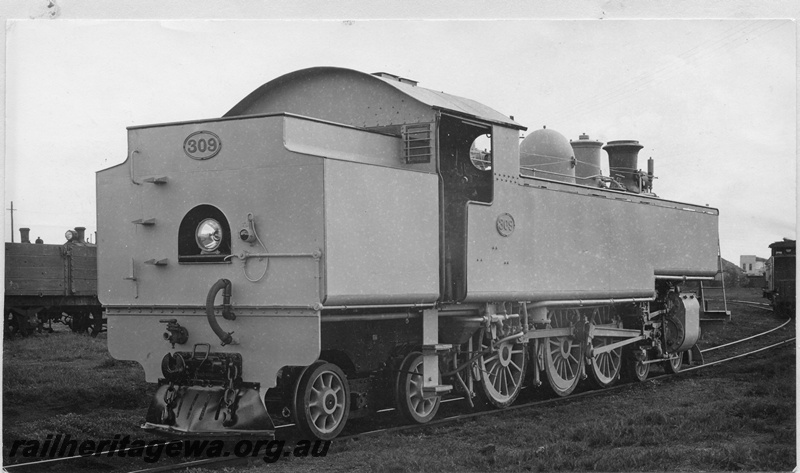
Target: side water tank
{"points": [[547, 154], [623, 160], [587, 155]]}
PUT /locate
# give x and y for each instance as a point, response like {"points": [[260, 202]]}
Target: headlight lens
{"points": [[208, 235]]}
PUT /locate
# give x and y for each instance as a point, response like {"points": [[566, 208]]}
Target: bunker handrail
{"points": [[130, 167]]}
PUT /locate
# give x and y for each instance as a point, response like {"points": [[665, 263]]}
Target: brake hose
{"points": [[226, 337]]}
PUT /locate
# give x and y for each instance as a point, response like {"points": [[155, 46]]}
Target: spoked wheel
{"points": [[563, 356], [674, 365], [502, 372], [322, 401], [408, 391], [605, 368], [636, 370]]}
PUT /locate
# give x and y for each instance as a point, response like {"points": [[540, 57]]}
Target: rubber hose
{"points": [[212, 319]]}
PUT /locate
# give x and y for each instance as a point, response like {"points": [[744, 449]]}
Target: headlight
{"points": [[69, 235], [208, 235]]}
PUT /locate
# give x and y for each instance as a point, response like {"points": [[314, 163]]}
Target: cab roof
{"points": [[434, 99]]}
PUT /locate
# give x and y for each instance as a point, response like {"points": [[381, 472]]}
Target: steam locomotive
{"points": [[378, 244], [780, 277]]}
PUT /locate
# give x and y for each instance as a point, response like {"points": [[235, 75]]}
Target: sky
{"points": [[713, 102]]}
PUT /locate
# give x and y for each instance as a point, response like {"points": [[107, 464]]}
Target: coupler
{"points": [[203, 394]]}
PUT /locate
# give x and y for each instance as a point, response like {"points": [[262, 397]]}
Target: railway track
{"points": [[745, 342], [212, 462], [761, 305], [740, 348]]}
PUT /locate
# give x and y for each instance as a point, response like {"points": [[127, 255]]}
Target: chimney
{"points": [[81, 231], [24, 235], [623, 161]]}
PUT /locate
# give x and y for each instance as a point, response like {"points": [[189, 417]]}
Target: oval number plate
{"points": [[202, 145]]}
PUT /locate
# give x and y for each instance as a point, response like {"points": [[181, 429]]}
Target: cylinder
{"points": [[547, 154], [623, 159], [24, 235], [587, 157]]}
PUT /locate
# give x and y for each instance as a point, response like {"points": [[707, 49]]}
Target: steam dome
{"points": [[547, 154]]}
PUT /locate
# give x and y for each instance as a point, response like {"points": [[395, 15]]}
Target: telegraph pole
{"points": [[12, 221]]}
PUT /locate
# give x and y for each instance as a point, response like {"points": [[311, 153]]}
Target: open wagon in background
{"points": [[46, 282]]}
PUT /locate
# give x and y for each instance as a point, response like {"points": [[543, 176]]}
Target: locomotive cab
{"points": [[437, 132]]}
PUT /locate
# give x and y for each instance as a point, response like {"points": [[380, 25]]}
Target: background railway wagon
{"points": [[780, 277], [46, 282]]}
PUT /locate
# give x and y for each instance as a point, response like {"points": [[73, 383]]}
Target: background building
{"points": [[752, 265]]}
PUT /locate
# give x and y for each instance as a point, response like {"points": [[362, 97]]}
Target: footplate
{"points": [[205, 410]]}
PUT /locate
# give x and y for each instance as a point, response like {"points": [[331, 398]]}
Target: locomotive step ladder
{"points": [[714, 303]]}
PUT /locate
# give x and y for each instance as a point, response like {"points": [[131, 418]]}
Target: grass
{"points": [[66, 383], [64, 368], [739, 417], [698, 422], [726, 418], [744, 321]]}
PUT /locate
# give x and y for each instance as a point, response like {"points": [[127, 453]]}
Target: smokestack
{"points": [[623, 159], [24, 235], [81, 231]]}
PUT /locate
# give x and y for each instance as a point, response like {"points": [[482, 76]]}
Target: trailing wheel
{"points": [[606, 367], [563, 356], [674, 365], [322, 401], [502, 371], [408, 391]]}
